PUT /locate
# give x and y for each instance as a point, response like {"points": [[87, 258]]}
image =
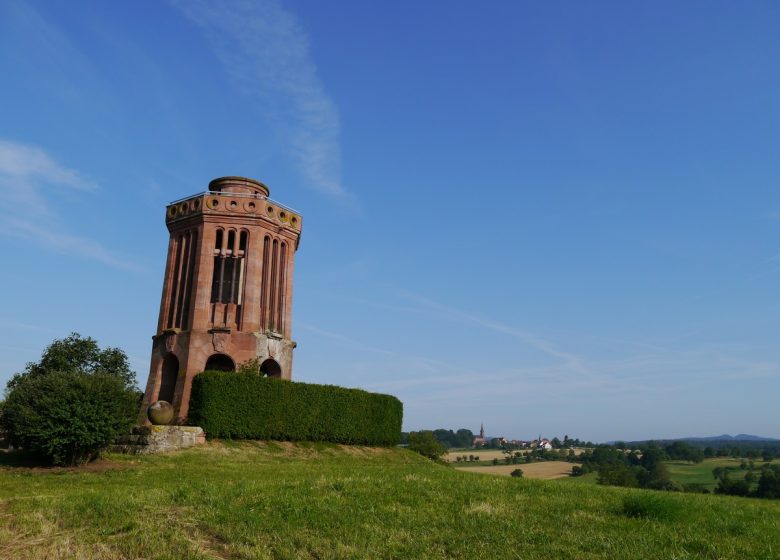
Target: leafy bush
{"points": [[426, 444], [247, 406], [517, 473], [68, 417]]}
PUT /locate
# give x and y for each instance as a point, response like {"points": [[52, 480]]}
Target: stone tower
{"points": [[227, 291]]}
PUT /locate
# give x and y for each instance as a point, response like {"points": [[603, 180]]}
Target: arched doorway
{"points": [[169, 373], [220, 362], [271, 368]]}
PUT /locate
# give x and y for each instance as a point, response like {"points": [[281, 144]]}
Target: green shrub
{"points": [[246, 406], [426, 444], [651, 505], [517, 473], [68, 417]]}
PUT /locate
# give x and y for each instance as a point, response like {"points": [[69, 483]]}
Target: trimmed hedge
{"points": [[244, 406]]}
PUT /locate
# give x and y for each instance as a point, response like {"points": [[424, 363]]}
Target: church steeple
{"points": [[482, 430]]}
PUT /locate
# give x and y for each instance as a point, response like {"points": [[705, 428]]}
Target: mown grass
{"points": [[252, 500]]}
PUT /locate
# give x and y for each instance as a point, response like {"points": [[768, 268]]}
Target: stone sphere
{"points": [[160, 413]]}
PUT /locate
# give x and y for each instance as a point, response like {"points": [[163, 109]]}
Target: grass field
{"points": [[701, 473], [252, 500]]}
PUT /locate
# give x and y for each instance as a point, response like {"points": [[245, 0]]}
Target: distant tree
{"points": [[445, 437], [518, 473], [495, 460], [767, 454], [617, 474], [769, 483], [556, 443], [463, 438], [709, 451], [732, 487], [684, 451], [426, 444]]}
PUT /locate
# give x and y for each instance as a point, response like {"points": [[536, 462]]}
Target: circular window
{"points": [[283, 216], [233, 204], [196, 204], [270, 210], [294, 220], [172, 212], [212, 203]]}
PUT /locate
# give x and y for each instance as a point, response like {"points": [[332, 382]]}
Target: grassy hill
{"points": [[255, 500]]}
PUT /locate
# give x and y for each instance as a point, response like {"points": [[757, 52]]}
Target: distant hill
{"points": [[721, 440], [726, 437]]}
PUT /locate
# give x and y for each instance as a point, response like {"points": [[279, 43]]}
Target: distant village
{"points": [[482, 441]]}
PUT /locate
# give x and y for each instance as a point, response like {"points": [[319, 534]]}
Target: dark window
{"points": [[228, 270]]}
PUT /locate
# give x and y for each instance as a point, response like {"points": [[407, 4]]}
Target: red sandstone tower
{"points": [[227, 292]]}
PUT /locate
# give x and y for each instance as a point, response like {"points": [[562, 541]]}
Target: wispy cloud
{"points": [[27, 171], [265, 51], [544, 346], [29, 178]]}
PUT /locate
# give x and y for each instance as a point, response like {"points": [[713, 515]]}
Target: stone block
{"points": [[147, 440]]}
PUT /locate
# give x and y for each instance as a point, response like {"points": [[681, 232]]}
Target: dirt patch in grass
{"points": [[546, 470]]}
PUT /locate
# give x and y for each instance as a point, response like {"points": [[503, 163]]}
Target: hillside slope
{"points": [[253, 500]]}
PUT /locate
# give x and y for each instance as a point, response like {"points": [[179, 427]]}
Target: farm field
{"points": [[484, 454], [279, 500], [545, 470]]}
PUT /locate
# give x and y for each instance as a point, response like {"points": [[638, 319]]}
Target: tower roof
{"points": [[243, 185]]}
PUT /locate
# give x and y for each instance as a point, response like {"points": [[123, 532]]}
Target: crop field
{"points": [[545, 470], [272, 500], [483, 454], [486, 454]]}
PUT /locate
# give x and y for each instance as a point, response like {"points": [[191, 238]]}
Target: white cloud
{"points": [[265, 51], [28, 179], [26, 172]]}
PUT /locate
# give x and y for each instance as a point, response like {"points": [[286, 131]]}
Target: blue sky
{"points": [[551, 218]]}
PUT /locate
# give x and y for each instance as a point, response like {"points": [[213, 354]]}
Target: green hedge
{"points": [[244, 406]]}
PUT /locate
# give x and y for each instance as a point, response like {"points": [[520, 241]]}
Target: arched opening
{"points": [[169, 373], [271, 368], [220, 362]]}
